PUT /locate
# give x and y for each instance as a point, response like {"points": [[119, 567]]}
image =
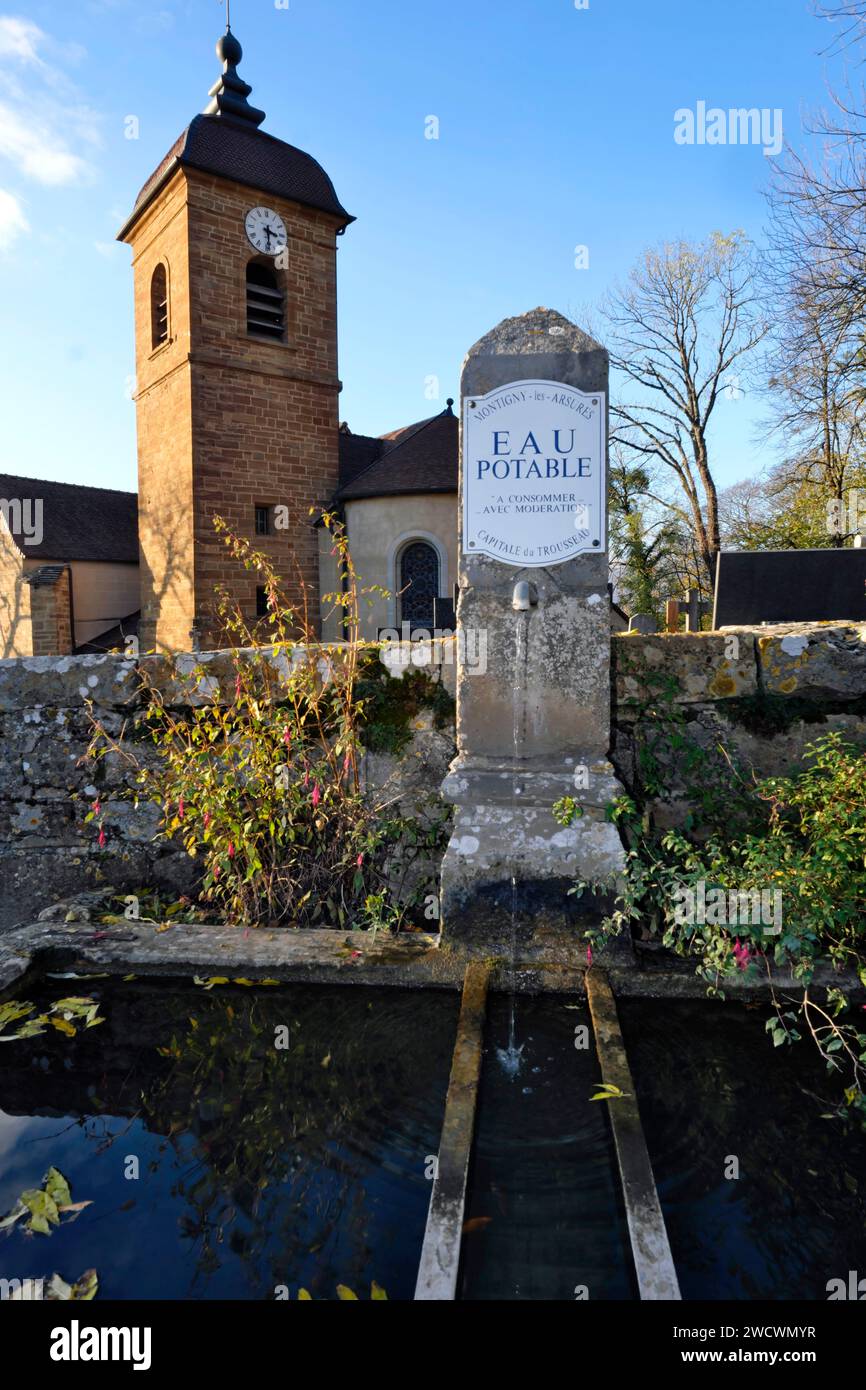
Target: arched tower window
{"points": [[266, 309], [418, 581], [159, 307]]}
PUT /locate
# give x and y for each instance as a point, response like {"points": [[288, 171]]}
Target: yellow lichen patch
{"points": [[722, 685], [788, 686]]}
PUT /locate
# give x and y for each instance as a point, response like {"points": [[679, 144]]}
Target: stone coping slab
{"points": [[440, 1254], [554, 965], [653, 1262]]}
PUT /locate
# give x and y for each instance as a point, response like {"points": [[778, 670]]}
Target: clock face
{"points": [[266, 231]]}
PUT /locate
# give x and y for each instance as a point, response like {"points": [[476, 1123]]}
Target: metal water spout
{"points": [[525, 596]]}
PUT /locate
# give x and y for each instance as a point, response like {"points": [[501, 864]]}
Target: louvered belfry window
{"points": [[159, 307], [265, 303], [419, 584]]}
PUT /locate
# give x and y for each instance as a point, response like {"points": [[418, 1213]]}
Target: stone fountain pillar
{"points": [[533, 681]]}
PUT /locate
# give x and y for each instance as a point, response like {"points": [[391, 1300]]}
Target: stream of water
{"points": [[510, 1057]]}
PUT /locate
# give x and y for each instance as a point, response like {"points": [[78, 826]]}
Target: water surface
{"points": [[258, 1167], [712, 1089]]}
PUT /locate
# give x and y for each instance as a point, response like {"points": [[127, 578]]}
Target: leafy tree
{"points": [[643, 540]]}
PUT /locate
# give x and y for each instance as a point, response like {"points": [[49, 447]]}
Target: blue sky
{"points": [[555, 130]]}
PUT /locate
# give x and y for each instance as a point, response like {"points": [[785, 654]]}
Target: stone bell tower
{"points": [[234, 259]]}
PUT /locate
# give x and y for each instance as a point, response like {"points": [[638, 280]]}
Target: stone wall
{"points": [[51, 608], [763, 694], [47, 785], [764, 700], [16, 626]]}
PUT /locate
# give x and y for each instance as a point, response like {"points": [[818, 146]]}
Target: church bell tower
{"points": [[234, 260]]}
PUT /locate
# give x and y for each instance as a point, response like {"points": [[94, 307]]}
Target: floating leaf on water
{"points": [[609, 1092], [326, 1061], [43, 1211], [44, 1205], [57, 1187], [82, 1291], [31, 1029], [14, 1215], [209, 982], [477, 1223], [74, 1209], [12, 1012], [304, 1297], [377, 1293], [63, 1026], [345, 1294]]}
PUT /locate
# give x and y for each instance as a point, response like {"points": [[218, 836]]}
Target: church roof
{"points": [[78, 523], [225, 140], [420, 458], [243, 154]]}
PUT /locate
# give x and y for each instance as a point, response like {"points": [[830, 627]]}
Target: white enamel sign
{"points": [[534, 485]]}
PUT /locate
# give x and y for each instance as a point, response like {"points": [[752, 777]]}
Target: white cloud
{"points": [[12, 220], [43, 123], [20, 38], [37, 151]]}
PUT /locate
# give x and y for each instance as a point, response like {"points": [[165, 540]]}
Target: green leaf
{"points": [[607, 1091], [43, 1211], [57, 1188]]}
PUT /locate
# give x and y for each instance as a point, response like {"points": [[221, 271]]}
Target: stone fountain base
{"points": [[510, 870]]}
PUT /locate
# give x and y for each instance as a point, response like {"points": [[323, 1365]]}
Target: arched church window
{"points": [[265, 303], [418, 581], [159, 307]]}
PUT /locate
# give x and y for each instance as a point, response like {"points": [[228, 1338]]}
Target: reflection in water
{"points": [[259, 1165], [712, 1089]]}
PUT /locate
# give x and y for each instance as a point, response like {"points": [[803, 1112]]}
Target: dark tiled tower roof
{"points": [[225, 140]]}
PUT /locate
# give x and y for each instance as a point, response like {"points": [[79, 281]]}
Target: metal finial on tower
{"points": [[228, 95]]}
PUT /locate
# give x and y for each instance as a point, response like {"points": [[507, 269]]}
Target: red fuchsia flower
{"points": [[359, 861], [231, 850], [317, 795], [180, 809], [306, 777], [742, 955], [287, 735], [588, 956], [206, 819], [97, 806], [216, 870], [101, 838]]}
